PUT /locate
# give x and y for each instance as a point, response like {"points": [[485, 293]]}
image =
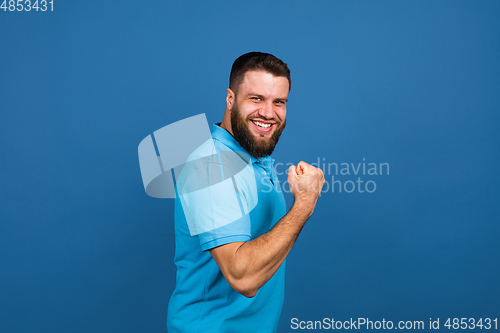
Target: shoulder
{"points": [[210, 164]]}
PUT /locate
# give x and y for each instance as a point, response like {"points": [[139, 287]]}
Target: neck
{"points": [[226, 122]]}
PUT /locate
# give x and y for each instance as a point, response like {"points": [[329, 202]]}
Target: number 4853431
{"points": [[27, 5]]}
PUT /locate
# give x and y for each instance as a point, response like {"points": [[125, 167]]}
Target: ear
{"points": [[230, 99]]}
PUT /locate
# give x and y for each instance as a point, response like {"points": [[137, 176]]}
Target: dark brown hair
{"points": [[257, 61]]}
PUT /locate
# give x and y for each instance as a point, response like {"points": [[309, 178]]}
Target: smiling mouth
{"points": [[261, 126]]}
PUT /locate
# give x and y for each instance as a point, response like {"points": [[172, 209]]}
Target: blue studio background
{"points": [[414, 84]]}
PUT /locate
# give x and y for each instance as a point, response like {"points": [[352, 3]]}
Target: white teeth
{"points": [[261, 124]]}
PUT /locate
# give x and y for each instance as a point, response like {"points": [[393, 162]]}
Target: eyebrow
{"points": [[263, 97], [256, 95]]}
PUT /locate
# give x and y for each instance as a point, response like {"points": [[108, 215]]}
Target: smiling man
{"points": [[232, 229]]}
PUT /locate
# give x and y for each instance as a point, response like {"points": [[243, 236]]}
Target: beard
{"points": [[242, 134]]}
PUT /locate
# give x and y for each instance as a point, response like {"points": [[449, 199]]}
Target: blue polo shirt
{"points": [[223, 195]]}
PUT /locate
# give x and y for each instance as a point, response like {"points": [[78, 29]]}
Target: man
{"points": [[232, 233]]}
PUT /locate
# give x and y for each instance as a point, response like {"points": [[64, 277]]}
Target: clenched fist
{"points": [[305, 182]]}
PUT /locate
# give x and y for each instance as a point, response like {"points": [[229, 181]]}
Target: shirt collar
{"points": [[228, 140]]}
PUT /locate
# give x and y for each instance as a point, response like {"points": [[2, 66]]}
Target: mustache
{"points": [[274, 120]]}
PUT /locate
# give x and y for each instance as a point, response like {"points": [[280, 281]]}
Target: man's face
{"points": [[258, 115]]}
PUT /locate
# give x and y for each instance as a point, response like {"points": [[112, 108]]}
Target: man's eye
{"points": [[256, 99]]}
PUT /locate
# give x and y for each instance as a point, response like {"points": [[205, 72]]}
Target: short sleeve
{"points": [[217, 201]]}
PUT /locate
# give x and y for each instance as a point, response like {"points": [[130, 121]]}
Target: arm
{"points": [[247, 266]]}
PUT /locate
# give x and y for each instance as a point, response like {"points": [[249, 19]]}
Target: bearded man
{"points": [[232, 229]]}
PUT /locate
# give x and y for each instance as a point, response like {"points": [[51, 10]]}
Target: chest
{"points": [[271, 205]]}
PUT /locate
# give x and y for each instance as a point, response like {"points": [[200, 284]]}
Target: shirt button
{"points": [[265, 172]]}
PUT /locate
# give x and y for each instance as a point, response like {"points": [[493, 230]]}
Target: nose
{"points": [[267, 111]]}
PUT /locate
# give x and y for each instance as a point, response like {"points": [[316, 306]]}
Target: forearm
{"points": [[256, 261], [247, 266]]}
